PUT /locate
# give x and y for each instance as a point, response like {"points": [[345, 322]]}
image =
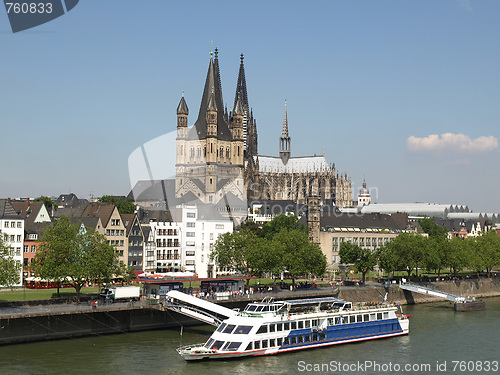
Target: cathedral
{"points": [[218, 156]]}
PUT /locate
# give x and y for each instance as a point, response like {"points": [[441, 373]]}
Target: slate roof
{"points": [[374, 221], [27, 209], [101, 210], [212, 83], [89, 222], [7, 211], [294, 165], [182, 108]]}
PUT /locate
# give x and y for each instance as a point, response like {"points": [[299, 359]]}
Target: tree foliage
{"points": [[124, 205], [364, 260], [74, 254], [282, 245], [48, 202], [9, 268], [432, 229]]}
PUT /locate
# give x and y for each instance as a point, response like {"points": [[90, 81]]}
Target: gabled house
{"points": [[112, 224], [135, 242]]}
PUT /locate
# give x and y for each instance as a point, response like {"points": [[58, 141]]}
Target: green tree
{"points": [[296, 255], [387, 259], [74, 254], [282, 222], [434, 253], [433, 229], [124, 205], [408, 252], [484, 252], [456, 255], [363, 259], [49, 203], [9, 268]]}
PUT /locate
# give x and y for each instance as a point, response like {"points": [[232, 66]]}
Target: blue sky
{"points": [[368, 82]]}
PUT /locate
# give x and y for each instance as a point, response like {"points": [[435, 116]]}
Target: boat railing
{"points": [[181, 348]]}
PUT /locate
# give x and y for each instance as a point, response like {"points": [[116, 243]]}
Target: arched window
{"points": [[221, 152], [238, 150], [205, 151], [228, 153], [191, 153], [198, 152]]}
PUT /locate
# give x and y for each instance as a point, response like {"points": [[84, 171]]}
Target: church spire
{"points": [[241, 86], [285, 140]]}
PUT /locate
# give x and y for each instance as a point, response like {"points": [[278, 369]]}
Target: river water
{"points": [[438, 336]]}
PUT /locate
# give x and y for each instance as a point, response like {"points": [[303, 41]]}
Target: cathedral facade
{"points": [[218, 156]]}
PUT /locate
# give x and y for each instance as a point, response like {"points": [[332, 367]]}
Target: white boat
{"points": [[271, 327]]}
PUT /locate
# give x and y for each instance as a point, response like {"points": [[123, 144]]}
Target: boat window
{"points": [[209, 342], [352, 319], [242, 330], [301, 339], [315, 337], [259, 308], [294, 325], [379, 316], [294, 340], [308, 338], [301, 324], [217, 345], [256, 344], [249, 346], [307, 323], [272, 327], [251, 308], [286, 326], [266, 308], [221, 327], [272, 342], [331, 321], [322, 336], [264, 344], [232, 346], [345, 319], [279, 327], [286, 341], [314, 323], [338, 320], [372, 316], [386, 315], [279, 341], [262, 329], [366, 317], [229, 328], [359, 317]]}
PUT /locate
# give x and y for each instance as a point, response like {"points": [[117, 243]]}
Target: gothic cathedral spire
{"points": [[285, 141]]}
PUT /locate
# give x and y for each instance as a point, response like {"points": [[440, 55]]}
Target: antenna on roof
{"points": [[211, 47]]}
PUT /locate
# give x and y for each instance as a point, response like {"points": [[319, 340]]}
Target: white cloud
{"points": [[449, 142]]}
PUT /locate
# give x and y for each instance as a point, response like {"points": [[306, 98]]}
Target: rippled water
{"points": [[437, 334]]}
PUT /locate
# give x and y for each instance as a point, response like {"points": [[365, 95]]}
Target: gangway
{"points": [[436, 293], [197, 308]]}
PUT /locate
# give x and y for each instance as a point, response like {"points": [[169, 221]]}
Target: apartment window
{"points": [[190, 234], [219, 226], [121, 232], [6, 225], [121, 242], [12, 224], [18, 251], [18, 238], [19, 224], [12, 238], [211, 236], [190, 243], [189, 262], [190, 253], [107, 232], [191, 215], [26, 248], [33, 248], [190, 225]]}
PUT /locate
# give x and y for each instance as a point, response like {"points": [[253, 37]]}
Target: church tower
{"points": [[285, 141]]}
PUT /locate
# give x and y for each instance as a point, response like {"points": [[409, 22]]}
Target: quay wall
{"points": [[28, 327]]}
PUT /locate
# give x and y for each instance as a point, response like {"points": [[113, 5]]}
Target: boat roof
{"points": [[312, 300]]}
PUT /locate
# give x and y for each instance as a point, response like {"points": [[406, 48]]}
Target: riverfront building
{"points": [[12, 230]]}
